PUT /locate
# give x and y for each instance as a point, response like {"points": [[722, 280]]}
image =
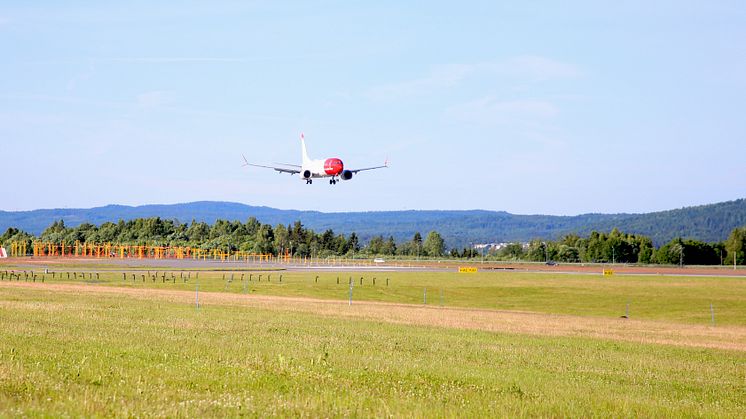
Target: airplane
{"points": [[313, 169]]}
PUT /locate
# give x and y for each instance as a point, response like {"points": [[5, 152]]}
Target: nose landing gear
{"points": [[333, 181]]}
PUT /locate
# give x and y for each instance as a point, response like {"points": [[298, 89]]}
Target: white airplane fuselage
{"points": [[313, 169], [330, 167], [310, 169]]}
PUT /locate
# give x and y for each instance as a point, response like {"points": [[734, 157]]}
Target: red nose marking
{"points": [[333, 167]]}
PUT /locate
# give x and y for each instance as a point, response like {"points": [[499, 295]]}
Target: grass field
{"points": [[113, 347], [667, 298]]}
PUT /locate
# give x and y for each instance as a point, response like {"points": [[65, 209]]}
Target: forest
{"points": [[709, 223], [253, 236]]}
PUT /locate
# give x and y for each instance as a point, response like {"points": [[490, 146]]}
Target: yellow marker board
{"points": [[608, 272], [467, 270]]}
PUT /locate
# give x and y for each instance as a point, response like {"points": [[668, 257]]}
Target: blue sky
{"points": [[529, 107]]}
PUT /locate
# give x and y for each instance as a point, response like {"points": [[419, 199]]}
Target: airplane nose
{"points": [[333, 167]]}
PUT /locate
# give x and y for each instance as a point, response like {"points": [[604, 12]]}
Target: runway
{"points": [[117, 264]]}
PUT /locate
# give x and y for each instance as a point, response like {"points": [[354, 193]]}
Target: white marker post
{"points": [[352, 283], [712, 314], [196, 297]]}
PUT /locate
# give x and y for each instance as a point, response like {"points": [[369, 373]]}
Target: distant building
{"points": [[490, 247]]}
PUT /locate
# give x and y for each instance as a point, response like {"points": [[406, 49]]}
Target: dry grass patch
{"points": [[535, 324]]}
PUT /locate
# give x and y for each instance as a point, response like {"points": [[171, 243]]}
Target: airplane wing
{"points": [[292, 169], [385, 164], [279, 169]]}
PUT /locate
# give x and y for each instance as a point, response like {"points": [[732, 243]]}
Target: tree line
{"points": [[253, 236], [619, 247], [230, 236]]}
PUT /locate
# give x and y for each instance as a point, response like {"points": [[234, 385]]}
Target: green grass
{"points": [[674, 299], [64, 354]]}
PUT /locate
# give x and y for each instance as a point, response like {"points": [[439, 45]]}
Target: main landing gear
{"points": [[309, 181]]}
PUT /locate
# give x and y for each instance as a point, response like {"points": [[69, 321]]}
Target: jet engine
{"points": [[346, 175], [306, 174]]}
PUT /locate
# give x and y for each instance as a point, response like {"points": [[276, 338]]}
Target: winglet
{"points": [[245, 162], [386, 163]]}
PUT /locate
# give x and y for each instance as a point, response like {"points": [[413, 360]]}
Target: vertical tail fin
{"points": [[306, 160]]}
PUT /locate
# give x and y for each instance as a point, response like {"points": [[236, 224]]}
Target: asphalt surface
{"points": [[133, 264]]}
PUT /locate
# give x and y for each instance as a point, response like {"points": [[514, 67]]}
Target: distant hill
{"points": [[709, 223]]}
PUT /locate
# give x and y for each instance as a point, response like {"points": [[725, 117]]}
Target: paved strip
{"points": [[102, 264]]}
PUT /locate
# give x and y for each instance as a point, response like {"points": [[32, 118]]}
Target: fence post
{"points": [[712, 314], [196, 296]]}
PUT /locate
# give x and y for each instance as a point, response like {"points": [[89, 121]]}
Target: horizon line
{"points": [[352, 212]]}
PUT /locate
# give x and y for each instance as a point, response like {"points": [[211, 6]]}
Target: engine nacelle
{"points": [[306, 174], [345, 175]]}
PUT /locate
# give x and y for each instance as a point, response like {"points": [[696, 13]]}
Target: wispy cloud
{"points": [[443, 76], [71, 100], [535, 68], [161, 101], [217, 60], [177, 60], [525, 68], [490, 111], [153, 99], [72, 84]]}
